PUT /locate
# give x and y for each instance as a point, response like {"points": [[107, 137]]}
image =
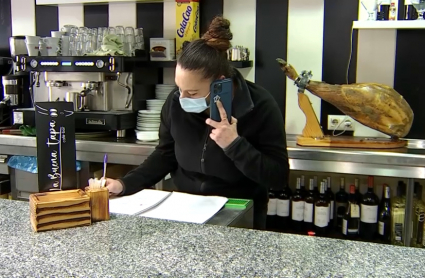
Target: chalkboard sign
{"points": [[55, 146]]}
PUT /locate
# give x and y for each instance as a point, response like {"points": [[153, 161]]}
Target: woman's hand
{"points": [[223, 133], [114, 186]]}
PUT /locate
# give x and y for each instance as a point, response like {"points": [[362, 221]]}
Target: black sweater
{"points": [[247, 169]]}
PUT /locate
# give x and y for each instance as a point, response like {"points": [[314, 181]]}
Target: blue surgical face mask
{"points": [[194, 105]]}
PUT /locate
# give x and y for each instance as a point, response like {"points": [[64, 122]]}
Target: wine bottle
{"points": [[316, 189], [309, 208], [283, 208], [271, 210], [358, 194], [418, 217], [350, 222], [369, 213], [303, 190], [384, 10], [297, 208], [321, 212], [325, 181], [398, 209], [384, 223], [341, 204], [331, 198]]}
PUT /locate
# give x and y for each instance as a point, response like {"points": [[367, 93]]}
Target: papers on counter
{"points": [[166, 205]]}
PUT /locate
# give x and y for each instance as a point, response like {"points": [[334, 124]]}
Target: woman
{"points": [[238, 159]]}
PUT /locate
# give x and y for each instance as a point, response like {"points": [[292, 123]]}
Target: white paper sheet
{"points": [[137, 203], [187, 208]]}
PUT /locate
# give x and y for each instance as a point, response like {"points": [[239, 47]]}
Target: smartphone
{"points": [[221, 90]]}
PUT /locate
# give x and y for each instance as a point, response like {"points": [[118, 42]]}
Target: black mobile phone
{"points": [[221, 90]]}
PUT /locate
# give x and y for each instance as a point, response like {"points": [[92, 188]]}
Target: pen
{"points": [[105, 161]]}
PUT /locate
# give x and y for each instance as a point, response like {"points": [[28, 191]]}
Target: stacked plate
{"points": [[155, 104], [162, 91], [148, 125]]}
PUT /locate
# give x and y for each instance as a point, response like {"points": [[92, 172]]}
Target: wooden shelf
{"points": [[385, 24]]}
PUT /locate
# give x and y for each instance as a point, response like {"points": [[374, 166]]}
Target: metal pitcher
{"points": [[77, 99]]}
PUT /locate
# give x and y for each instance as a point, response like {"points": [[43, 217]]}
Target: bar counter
{"points": [[130, 246]]}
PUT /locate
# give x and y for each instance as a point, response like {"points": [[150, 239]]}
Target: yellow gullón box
{"points": [[187, 22]]}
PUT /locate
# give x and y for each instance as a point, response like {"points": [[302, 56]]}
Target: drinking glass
{"points": [[112, 31], [120, 33], [420, 8], [139, 39], [129, 45]]}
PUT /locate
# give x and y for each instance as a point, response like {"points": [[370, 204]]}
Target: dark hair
{"points": [[209, 53]]}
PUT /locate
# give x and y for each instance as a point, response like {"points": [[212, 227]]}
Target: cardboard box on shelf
{"points": [[187, 22]]}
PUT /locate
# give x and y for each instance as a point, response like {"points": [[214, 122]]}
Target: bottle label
{"points": [[369, 214], [283, 208], [321, 216], [272, 207], [308, 213], [298, 211], [344, 226], [381, 228], [332, 210], [354, 211]]}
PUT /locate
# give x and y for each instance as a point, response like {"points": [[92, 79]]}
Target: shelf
{"points": [[67, 2], [385, 24]]}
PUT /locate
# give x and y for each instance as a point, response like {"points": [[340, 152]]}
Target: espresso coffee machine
{"points": [[99, 88], [16, 83]]}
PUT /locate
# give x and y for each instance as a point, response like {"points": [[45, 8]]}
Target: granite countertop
{"points": [[131, 246]]}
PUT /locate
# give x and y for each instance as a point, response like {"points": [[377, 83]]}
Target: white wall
{"points": [[23, 17], [123, 14], [305, 52], [169, 33], [242, 15], [71, 15]]}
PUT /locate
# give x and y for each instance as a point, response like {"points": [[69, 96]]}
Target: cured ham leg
{"points": [[377, 106]]}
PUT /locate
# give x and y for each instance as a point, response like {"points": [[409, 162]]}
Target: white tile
{"points": [[305, 52], [23, 17], [242, 16], [169, 33], [71, 15], [123, 14]]}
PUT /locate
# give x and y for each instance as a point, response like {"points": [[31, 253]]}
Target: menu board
{"points": [[56, 159]]}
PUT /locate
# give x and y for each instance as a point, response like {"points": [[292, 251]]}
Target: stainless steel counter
{"points": [[403, 163]]}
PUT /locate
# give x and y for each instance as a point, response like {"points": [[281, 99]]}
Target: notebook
{"points": [[166, 205]]}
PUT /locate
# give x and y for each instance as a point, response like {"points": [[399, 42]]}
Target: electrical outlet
{"points": [[340, 122]]}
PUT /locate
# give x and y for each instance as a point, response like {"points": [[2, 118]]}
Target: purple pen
{"points": [[105, 161]]}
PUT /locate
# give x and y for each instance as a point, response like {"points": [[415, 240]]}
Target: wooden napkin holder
{"points": [[99, 203], [59, 210]]}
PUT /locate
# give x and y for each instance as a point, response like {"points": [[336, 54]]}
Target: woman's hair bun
{"points": [[218, 34]]}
